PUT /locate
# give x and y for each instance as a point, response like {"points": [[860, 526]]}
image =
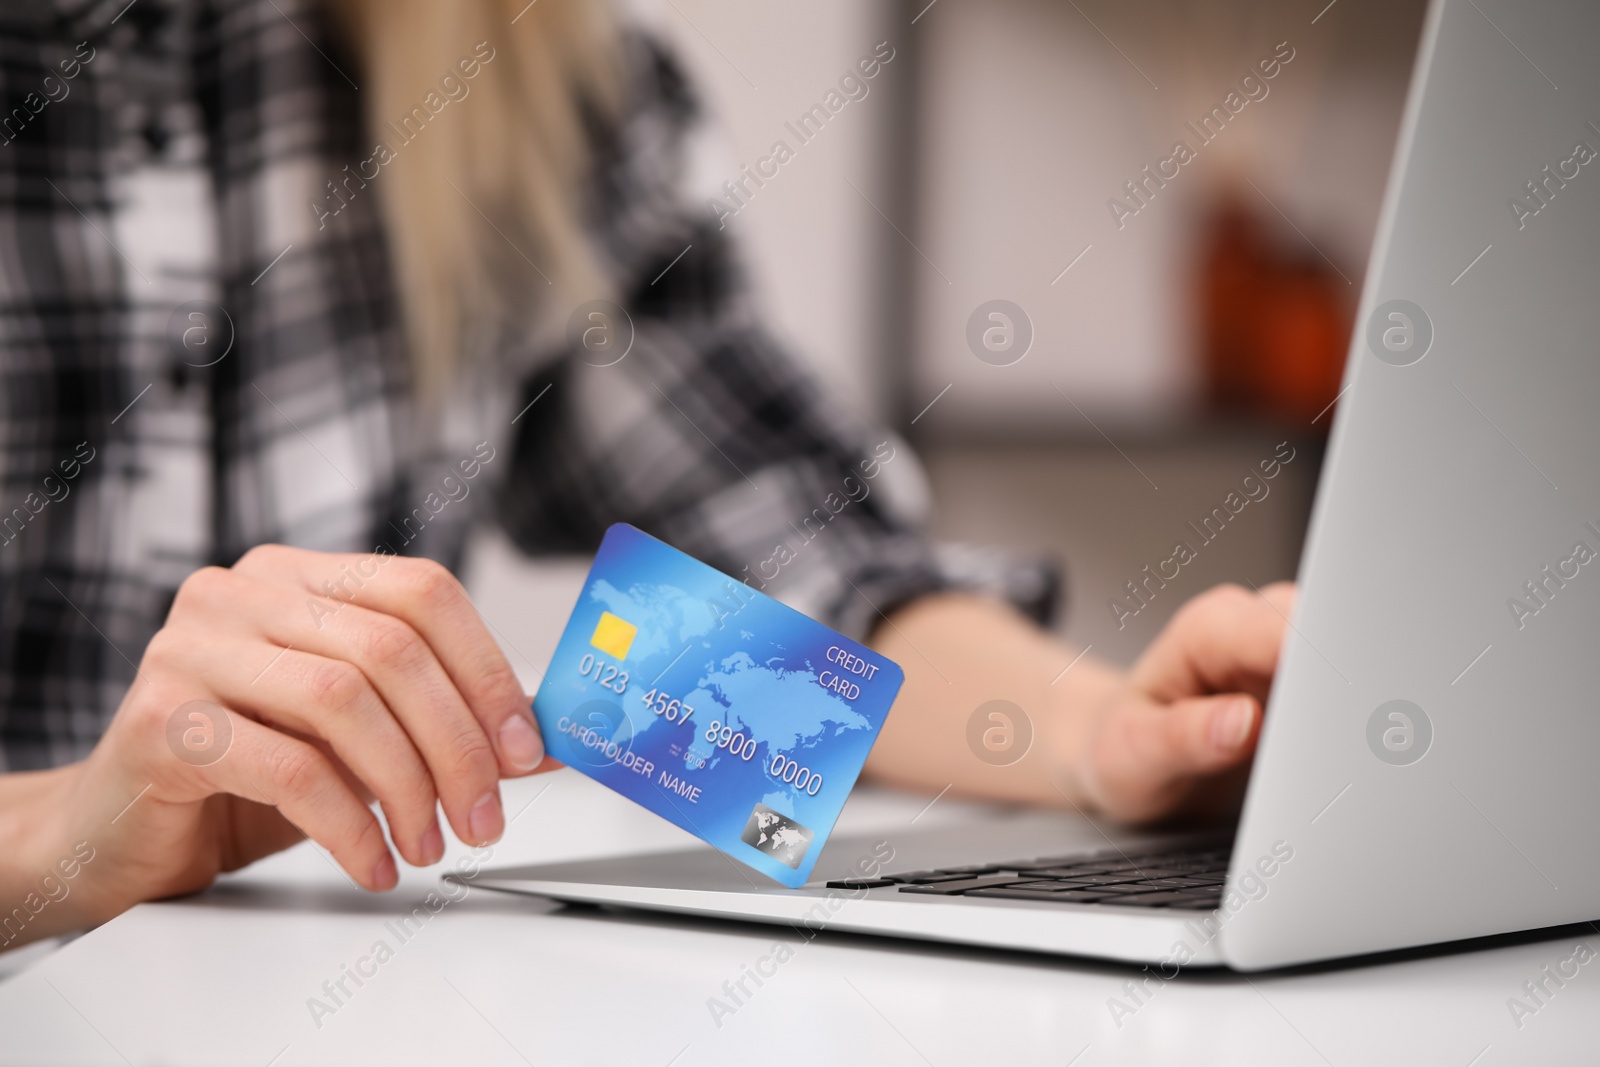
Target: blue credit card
{"points": [[713, 705]]}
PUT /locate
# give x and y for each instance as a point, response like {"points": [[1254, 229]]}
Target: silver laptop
{"points": [[1427, 771]]}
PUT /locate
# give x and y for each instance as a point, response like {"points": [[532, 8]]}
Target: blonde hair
{"points": [[482, 209]]}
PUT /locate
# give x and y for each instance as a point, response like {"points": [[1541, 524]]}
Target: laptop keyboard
{"points": [[1189, 879]]}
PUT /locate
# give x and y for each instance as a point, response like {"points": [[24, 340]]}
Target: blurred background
{"points": [[1175, 342]]}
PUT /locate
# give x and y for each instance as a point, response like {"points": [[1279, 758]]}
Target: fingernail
{"points": [[1230, 725], [520, 744], [385, 874], [487, 819], [433, 844]]}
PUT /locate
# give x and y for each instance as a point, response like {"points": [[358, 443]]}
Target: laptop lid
{"points": [[1429, 753]]}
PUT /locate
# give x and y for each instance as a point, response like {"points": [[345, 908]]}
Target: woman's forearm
{"points": [[986, 709], [38, 865]]}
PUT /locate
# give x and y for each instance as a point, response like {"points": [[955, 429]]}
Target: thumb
{"points": [[1147, 755]]}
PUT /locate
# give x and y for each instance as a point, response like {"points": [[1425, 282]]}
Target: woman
{"points": [[294, 296]]}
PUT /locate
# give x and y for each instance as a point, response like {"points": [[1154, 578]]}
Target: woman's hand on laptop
{"points": [[281, 697], [995, 707], [1178, 734]]}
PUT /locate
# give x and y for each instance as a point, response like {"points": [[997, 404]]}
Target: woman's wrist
{"points": [[1083, 698], [993, 706]]}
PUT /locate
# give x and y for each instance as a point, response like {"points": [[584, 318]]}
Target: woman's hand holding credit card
{"points": [[713, 705]]}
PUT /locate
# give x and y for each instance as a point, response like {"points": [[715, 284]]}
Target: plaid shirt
{"points": [[159, 161]]}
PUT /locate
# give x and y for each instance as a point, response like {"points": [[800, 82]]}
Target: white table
{"points": [[225, 978]]}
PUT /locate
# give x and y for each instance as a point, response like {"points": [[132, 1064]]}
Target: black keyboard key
{"points": [[957, 886], [1051, 886], [1151, 870], [1128, 889], [1148, 900], [923, 877], [1162, 900], [1068, 875], [860, 883], [1079, 896], [1058, 871], [1013, 892], [973, 869]]}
